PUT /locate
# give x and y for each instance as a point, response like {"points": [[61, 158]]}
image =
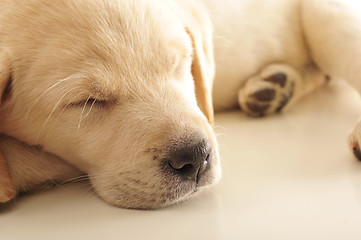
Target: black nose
{"points": [[191, 158]]}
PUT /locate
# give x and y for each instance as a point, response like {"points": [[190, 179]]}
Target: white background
{"points": [[289, 176]]}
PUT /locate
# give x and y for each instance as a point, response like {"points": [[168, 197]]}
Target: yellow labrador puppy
{"points": [[122, 90], [108, 88]]}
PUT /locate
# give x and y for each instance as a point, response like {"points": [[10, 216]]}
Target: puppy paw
{"points": [[354, 141], [269, 92]]}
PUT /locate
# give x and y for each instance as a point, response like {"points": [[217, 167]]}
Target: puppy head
{"points": [[114, 92]]}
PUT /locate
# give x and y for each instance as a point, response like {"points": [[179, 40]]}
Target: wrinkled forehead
{"points": [[144, 43], [142, 34], [118, 42], [140, 39], [153, 40]]}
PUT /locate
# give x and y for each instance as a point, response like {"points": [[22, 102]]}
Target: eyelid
{"points": [[88, 102]]}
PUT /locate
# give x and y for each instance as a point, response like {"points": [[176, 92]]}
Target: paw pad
{"points": [[266, 95], [353, 141], [256, 107], [277, 78], [355, 147], [357, 152]]}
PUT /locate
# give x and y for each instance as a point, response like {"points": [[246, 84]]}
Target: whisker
{"points": [[51, 113], [75, 179], [216, 126], [66, 106], [48, 90], [91, 192], [226, 42], [91, 107], [82, 112], [222, 147]]}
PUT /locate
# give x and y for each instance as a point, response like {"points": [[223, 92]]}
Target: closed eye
{"points": [[89, 102]]}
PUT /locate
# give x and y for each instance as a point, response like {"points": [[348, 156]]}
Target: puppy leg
{"points": [[31, 168], [7, 188], [333, 32], [277, 87]]}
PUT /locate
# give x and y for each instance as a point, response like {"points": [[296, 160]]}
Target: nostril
{"points": [[190, 170], [190, 158]]}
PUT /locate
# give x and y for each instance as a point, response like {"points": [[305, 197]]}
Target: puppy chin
{"points": [[158, 187], [155, 199], [196, 193]]}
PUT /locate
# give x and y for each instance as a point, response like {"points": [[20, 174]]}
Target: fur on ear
{"points": [[5, 76], [200, 30], [7, 188]]}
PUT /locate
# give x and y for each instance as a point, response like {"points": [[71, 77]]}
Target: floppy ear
{"points": [[5, 76], [200, 30], [7, 189]]}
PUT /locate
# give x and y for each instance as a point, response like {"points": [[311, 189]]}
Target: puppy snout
{"points": [[190, 160]]}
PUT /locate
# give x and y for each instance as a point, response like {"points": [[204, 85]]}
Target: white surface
{"points": [[289, 176]]}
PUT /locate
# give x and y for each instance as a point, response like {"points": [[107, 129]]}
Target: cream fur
{"points": [[252, 35], [107, 87]]}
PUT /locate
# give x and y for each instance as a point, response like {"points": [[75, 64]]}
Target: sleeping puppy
{"points": [[121, 90]]}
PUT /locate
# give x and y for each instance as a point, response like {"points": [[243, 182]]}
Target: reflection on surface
{"points": [[289, 176]]}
